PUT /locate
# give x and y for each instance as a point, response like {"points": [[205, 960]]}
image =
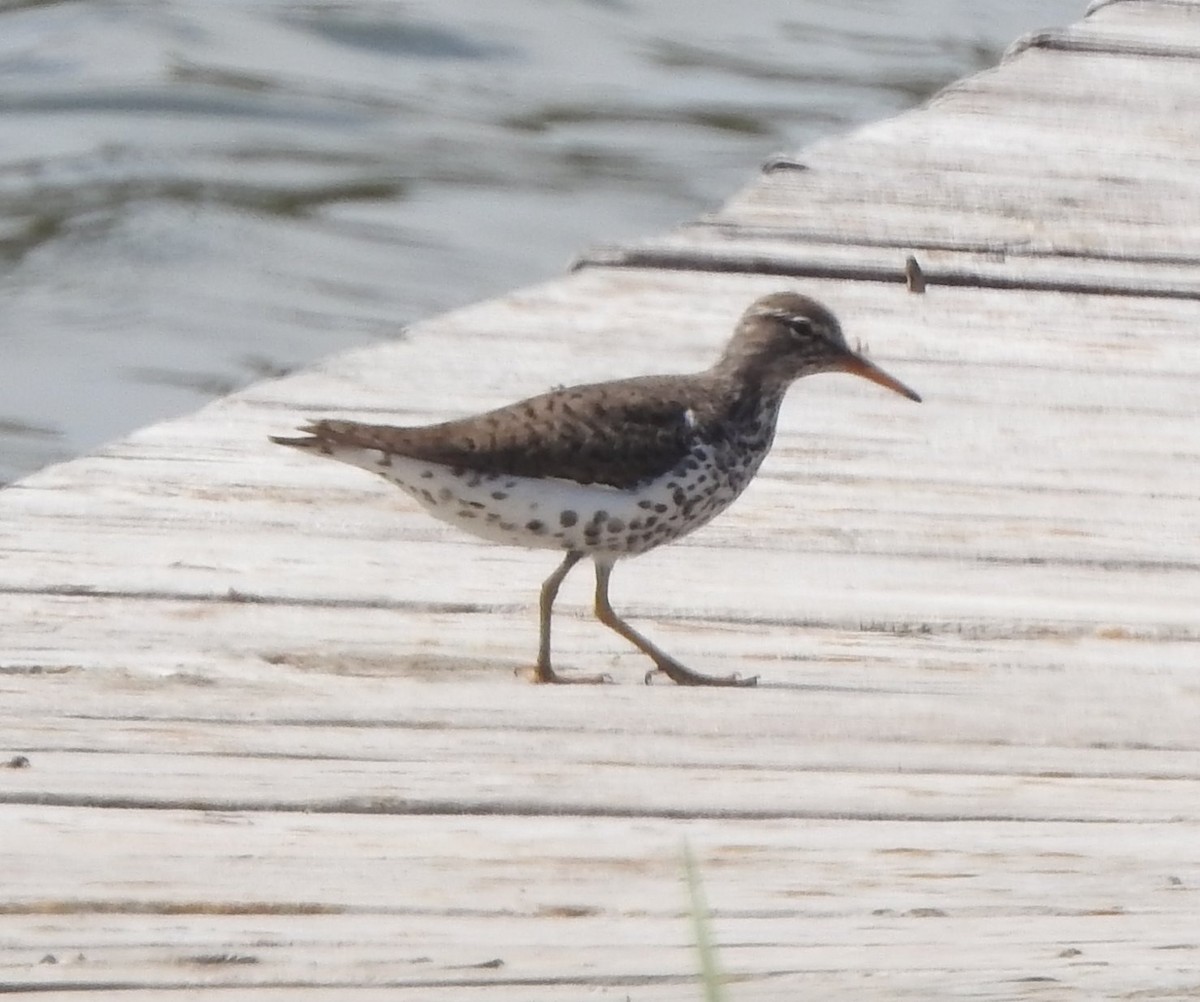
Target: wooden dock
{"points": [[259, 715]]}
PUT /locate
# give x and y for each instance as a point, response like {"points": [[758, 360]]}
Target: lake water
{"points": [[198, 193]]}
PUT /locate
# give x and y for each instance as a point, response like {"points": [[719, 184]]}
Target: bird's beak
{"points": [[859, 366]]}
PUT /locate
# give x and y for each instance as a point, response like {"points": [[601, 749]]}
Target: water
{"points": [[198, 193]]}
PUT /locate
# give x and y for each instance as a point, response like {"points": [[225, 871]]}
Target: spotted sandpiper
{"points": [[610, 470]]}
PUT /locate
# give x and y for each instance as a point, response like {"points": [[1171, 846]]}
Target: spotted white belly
{"points": [[561, 514]]}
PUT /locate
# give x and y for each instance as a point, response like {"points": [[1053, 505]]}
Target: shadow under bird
{"points": [[610, 470]]}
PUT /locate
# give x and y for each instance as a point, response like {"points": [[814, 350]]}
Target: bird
{"points": [[613, 469]]}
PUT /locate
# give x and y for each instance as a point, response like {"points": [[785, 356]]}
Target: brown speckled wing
{"points": [[620, 434]]}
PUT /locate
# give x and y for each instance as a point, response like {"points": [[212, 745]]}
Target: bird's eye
{"points": [[799, 326]]}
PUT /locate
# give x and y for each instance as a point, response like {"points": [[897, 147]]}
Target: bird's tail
{"points": [[314, 439], [328, 436]]}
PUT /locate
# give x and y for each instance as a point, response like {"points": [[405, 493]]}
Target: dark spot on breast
{"points": [[636, 524], [679, 497], [427, 474], [652, 521], [568, 518], [535, 525], [476, 504], [499, 495], [615, 525], [599, 517], [646, 505], [445, 494], [660, 507], [428, 496]]}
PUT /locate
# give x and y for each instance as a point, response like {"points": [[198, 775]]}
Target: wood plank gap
{"points": [[409, 727], [1093, 43], [234, 597], [397, 807], [589, 981], [752, 264]]}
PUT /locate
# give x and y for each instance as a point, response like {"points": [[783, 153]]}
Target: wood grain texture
{"points": [[260, 725]]}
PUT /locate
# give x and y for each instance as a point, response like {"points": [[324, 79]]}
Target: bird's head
{"points": [[785, 335]]}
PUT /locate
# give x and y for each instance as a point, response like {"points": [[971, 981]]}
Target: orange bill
{"points": [[859, 366]]}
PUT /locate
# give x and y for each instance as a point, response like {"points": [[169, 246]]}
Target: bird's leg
{"points": [[663, 662], [542, 671]]}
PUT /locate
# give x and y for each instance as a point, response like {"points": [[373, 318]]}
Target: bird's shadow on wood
{"points": [[349, 663], [776, 685], [452, 668]]}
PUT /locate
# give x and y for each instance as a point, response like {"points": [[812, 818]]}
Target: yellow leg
{"points": [[663, 662], [543, 672]]}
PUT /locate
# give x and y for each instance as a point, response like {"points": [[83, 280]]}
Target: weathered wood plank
{"points": [[428, 734], [960, 172], [794, 900], [434, 787], [201, 641]]}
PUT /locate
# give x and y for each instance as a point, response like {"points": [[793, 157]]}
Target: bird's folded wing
{"points": [[619, 434]]}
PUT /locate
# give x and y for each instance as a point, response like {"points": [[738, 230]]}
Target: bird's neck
{"points": [[746, 407]]}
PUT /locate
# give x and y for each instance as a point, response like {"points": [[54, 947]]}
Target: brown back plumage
{"points": [[619, 434]]}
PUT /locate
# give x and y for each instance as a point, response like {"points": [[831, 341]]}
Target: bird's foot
{"points": [[680, 675], [545, 675]]}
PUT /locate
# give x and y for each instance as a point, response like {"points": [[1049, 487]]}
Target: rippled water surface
{"points": [[197, 193]]}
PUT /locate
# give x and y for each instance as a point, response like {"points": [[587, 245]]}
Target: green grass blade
{"points": [[709, 974]]}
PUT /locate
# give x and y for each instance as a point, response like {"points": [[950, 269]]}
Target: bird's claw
{"points": [[548, 676], [685, 676]]}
